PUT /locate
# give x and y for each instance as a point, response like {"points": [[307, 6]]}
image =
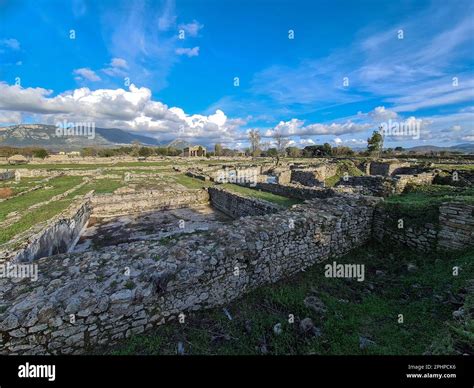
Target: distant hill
{"points": [[178, 144], [465, 148], [39, 135]]}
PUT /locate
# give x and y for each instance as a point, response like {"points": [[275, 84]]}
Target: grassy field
{"points": [[253, 193], [46, 212], [189, 182], [352, 310], [35, 217], [457, 167], [58, 185]]}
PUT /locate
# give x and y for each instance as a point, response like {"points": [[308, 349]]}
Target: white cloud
{"points": [[117, 68], [190, 52], [167, 17], [86, 73], [380, 113], [295, 127], [132, 110], [10, 43], [119, 63], [191, 29]]}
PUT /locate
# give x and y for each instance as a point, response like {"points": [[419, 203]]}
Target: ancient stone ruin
{"points": [[91, 292]]}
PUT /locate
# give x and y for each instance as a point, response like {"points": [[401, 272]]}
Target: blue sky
{"points": [[168, 69]]}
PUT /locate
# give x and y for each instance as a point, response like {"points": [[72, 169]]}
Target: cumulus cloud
{"points": [[118, 67], [381, 113], [86, 73], [191, 29], [190, 52], [132, 110], [295, 127]]}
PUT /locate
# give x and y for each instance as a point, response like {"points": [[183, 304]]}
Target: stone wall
{"points": [[84, 300], [386, 168], [401, 181], [315, 175], [118, 204], [421, 238], [378, 186], [295, 191], [453, 230], [306, 177], [7, 174], [236, 205], [457, 225], [197, 175], [55, 236], [381, 186]]}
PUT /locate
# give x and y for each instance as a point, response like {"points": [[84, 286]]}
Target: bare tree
{"points": [[254, 137], [281, 142]]}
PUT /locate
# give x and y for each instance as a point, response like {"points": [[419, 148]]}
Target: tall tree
{"points": [[375, 143], [281, 142], [254, 138], [218, 149]]}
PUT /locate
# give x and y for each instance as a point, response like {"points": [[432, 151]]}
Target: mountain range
{"points": [[46, 136]]}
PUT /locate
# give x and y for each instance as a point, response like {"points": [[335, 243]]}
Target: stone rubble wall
{"points": [[314, 176], [378, 186], [118, 204], [401, 181], [131, 288], [457, 225], [7, 174], [454, 229], [54, 236], [295, 191], [37, 173], [381, 186], [386, 168], [236, 205], [197, 175], [307, 178], [421, 238]]}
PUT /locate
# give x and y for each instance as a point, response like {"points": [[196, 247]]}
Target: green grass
{"points": [[189, 182], [253, 193], [369, 309], [420, 203], [48, 211], [457, 167], [343, 167], [59, 185], [35, 217], [23, 185]]}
